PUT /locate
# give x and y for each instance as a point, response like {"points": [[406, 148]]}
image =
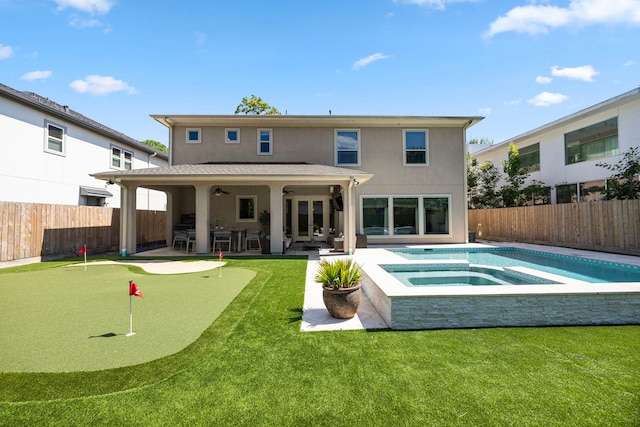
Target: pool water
{"points": [[587, 270], [451, 275]]}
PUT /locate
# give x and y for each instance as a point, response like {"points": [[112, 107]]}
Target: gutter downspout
{"points": [[465, 190], [166, 119]]}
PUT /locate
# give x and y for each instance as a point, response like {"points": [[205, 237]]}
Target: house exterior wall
{"points": [[31, 174], [381, 153], [553, 170]]}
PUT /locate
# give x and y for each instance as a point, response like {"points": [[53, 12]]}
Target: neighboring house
{"points": [[563, 154], [394, 179], [50, 150]]}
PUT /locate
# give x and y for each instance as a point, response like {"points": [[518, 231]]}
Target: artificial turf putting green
{"points": [[69, 319]]}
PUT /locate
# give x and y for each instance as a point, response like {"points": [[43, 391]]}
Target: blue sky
{"points": [[519, 63]]}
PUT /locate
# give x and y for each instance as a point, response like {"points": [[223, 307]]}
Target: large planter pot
{"points": [[342, 303]]}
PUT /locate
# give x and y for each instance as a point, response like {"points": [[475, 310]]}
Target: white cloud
{"points": [[5, 51], [513, 102], [368, 60], [90, 6], [37, 75], [584, 73], [101, 85], [436, 4], [543, 80], [629, 63], [539, 19], [80, 23], [545, 99], [485, 111]]}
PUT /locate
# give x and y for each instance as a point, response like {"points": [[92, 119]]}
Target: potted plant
{"points": [[265, 220], [341, 291]]}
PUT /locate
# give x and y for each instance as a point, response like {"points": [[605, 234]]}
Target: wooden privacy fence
{"points": [[607, 226], [30, 230]]}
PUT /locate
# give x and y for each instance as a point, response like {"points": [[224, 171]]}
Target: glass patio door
{"points": [[311, 219]]}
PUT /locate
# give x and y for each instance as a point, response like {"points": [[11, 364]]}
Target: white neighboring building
{"points": [[49, 151], [564, 153]]}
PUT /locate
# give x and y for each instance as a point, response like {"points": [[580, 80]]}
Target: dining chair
{"points": [[252, 236], [191, 240], [179, 236], [221, 237]]}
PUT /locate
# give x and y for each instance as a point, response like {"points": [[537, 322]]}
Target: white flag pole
{"points": [[131, 333], [85, 257]]}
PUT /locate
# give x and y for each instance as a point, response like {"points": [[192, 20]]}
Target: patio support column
{"points": [[203, 208], [275, 206], [128, 228], [350, 219], [168, 226]]}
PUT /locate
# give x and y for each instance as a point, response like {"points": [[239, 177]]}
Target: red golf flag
{"points": [[220, 254], [83, 250], [134, 291]]}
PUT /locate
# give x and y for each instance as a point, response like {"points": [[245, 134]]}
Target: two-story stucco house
{"points": [[394, 179], [50, 150], [564, 154]]}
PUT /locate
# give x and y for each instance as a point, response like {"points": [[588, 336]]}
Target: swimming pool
{"points": [[578, 291], [586, 270]]}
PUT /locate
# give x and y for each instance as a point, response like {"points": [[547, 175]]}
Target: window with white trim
{"points": [[265, 142], [416, 147], [232, 136], [194, 136], [246, 208], [121, 159], [406, 215], [347, 146], [54, 138]]}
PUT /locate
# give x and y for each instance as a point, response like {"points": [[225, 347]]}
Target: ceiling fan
{"points": [[287, 192], [219, 191]]}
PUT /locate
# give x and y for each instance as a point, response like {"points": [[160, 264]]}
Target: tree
{"points": [[482, 182], [516, 176], [158, 146], [482, 141], [473, 180], [255, 105], [624, 184], [488, 196]]}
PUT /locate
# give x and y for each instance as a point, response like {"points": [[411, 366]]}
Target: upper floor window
{"points": [[416, 147], [592, 142], [347, 144], [193, 136], [265, 142], [55, 138], [232, 136], [530, 157], [121, 159]]}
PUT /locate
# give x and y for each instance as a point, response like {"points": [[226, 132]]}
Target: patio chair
{"points": [[191, 240], [179, 236], [252, 236], [220, 238]]}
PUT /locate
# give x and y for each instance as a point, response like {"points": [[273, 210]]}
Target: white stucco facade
{"points": [[554, 169], [32, 173]]}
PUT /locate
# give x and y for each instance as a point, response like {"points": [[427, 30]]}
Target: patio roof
{"points": [[271, 172]]}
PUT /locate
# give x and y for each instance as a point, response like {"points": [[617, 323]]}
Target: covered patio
{"points": [[304, 202]]}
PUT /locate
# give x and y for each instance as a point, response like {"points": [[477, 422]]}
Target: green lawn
{"points": [[253, 366]]}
